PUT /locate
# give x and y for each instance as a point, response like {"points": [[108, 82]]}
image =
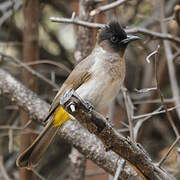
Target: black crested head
{"points": [[114, 33]]}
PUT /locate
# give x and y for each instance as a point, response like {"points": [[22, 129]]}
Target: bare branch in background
{"points": [[153, 34], [151, 54], [162, 97], [154, 101], [169, 59], [76, 21], [129, 111], [166, 111], [142, 120], [134, 30], [46, 61], [32, 71], [107, 7], [155, 113], [169, 151], [37, 174]]}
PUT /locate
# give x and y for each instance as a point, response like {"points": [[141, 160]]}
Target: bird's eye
{"points": [[114, 39]]}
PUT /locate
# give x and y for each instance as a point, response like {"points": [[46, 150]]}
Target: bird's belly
{"points": [[99, 92]]}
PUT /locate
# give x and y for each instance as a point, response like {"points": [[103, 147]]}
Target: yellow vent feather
{"points": [[60, 117]]}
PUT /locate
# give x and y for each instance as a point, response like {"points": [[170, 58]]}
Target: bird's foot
{"points": [[71, 93], [88, 105]]}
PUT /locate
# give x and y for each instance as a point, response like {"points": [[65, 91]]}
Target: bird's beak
{"points": [[129, 39]]}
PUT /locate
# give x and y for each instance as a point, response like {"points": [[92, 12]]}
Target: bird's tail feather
{"points": [[31, 156]]}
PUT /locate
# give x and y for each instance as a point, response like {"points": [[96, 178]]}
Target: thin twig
{"points": [[144, 31], [141, 121], [153, 34], [166, 111], [151, 54], [44, 61], [175, 56], [169, 151], [37, 174], [145, 90], [16, 127], [28, 131], [32, 71], [76, 21], [154, 101], [129, 111], [107, 7], [162, 98], [154, 113], [10, 144]]}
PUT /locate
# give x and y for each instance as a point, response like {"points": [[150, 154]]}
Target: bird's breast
{"points": [[101, 88]]}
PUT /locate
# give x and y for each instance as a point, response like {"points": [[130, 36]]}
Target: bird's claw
{"points": [[71, 93]]}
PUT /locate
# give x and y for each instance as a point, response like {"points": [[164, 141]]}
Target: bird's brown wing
{"points": [[78, 76], [31, 156]]}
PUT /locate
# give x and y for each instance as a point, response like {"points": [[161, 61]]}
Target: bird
{"points": [[97, 79]]}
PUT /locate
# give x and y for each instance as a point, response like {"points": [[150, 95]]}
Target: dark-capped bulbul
{"points": [[96, 79]]}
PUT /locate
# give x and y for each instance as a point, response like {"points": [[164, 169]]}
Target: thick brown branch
{"points": [[112, 140], [85, 142]]}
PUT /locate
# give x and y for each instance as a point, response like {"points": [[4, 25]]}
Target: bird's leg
{"points": [[66, 96], [88, 105], [71, 93]]}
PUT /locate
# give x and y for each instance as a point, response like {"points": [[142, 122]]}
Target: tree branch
{"points": [[27, 68], [124, 147], [144, 31], [76, 21], [107, 7], [85, 142]]}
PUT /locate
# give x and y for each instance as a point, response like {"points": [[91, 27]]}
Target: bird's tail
{"points": [[31, 156]]}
